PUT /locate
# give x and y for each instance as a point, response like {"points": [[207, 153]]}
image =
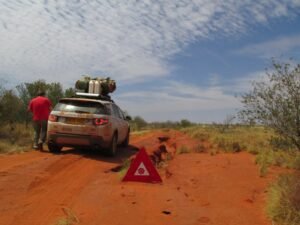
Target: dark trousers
{"points": [[40, 131]]}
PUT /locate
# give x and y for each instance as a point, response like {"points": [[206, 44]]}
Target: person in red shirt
{"points": [[40, 107]]}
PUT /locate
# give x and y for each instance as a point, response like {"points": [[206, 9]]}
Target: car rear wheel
{"points": [[112, 149], [54, 148], [125, 143]]}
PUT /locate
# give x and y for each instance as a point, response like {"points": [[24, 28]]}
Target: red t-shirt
{"points": [[40, 107]]}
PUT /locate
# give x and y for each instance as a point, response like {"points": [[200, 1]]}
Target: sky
{"points": [[171, 59]]}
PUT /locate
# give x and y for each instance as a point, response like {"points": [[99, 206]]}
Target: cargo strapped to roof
{"points": [[97, 85], [94, 96]]}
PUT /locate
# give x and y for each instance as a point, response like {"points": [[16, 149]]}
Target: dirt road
{"points": [[39, 188]]}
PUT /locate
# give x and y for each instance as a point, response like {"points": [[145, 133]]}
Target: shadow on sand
{"points": [[123, 153]]}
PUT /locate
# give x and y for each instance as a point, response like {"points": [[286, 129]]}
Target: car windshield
{"points": [[81, 107]]}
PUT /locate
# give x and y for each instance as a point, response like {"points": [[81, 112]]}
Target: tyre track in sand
{"points": [[34, 191]]}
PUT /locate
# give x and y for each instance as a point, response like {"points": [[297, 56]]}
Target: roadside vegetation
{"points": [[138, 124], [15, 138], [284, 200], [258, 140], [183, 150]]}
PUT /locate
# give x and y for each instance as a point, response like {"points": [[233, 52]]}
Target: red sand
{"points": [[198, 188]]}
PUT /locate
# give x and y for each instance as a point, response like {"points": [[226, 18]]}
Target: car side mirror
{"points": [[128, 118]]}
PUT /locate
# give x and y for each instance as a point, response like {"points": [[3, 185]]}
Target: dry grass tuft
{"points": [[183, 149], [70, 218], [16, 138], [283, 205]]}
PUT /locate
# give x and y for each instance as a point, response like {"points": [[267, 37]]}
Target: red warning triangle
{"points": [[142, 169]]}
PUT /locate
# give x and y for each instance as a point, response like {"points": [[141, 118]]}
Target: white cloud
{"points": [[178, 100], [243, 84], [60, 40], [273, 48]]}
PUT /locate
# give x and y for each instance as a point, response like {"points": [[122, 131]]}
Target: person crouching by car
{"points": [[40, 107]]}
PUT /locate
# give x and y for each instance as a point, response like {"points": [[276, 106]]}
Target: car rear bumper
{"points": [[76, 140]]}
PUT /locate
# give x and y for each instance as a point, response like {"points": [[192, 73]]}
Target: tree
{"points": [[27, 91], [276, 102], [34, 88], [24, 98], [138, 123], [10, 106], [185, 123], [2, 90], [70, 92], [55, 92]]}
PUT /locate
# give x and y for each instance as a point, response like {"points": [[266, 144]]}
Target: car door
{"points": [[121, 125]]}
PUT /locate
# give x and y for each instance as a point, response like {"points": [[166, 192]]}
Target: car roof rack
{"points": [[93, 96]]}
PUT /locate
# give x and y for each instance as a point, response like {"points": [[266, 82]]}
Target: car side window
{"points": [[108, 109], [121, 113], [117, 112]]}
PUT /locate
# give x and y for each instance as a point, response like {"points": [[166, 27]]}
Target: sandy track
{"points": [[225, 189]]}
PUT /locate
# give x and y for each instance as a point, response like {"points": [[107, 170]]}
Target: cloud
{"points": [[273, 48], [175, 100], [129, 40], [243, 84]]}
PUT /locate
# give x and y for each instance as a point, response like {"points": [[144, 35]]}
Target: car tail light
{"points": [[100, 121], [53, 118]]}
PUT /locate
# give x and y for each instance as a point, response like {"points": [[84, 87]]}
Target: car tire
{"points": [[112, 149], [54, 148], [125, 143]]}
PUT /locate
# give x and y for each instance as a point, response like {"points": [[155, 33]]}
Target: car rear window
{"points": [[81, 107]]}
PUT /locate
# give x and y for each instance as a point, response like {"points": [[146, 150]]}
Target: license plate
{"points": [[75, 120]]}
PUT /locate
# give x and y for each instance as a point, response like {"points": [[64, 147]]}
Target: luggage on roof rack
{"points": [[93, 96], [100, 86]]}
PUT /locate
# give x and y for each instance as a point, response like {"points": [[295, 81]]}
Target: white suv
{"points": [[87, 122]]}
